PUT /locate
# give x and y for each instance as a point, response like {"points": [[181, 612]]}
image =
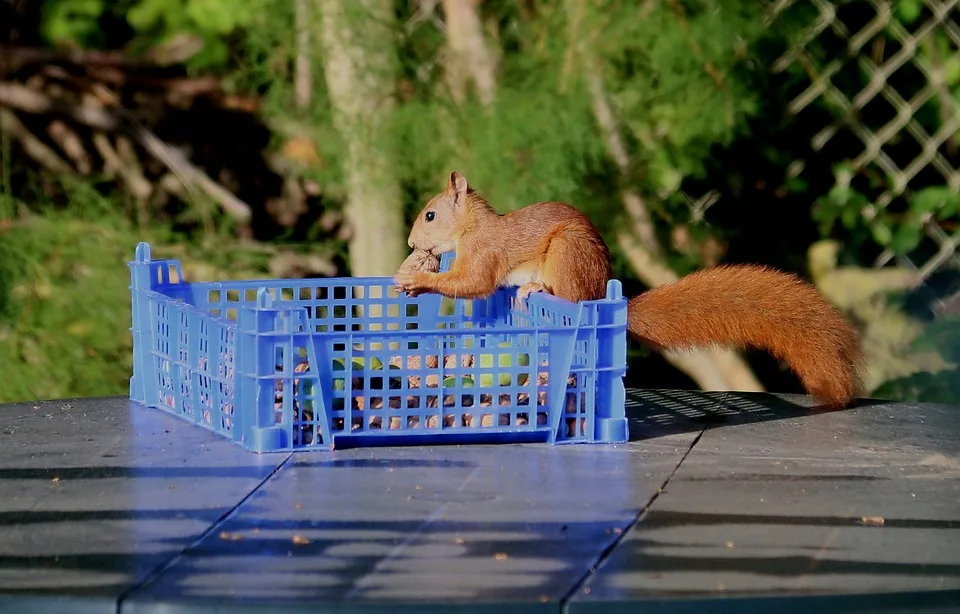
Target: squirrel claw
{"points": [[406, 291], [529, 288], [411, 282]]}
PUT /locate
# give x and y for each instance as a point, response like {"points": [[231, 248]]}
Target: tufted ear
{"points": [[457, 185]]}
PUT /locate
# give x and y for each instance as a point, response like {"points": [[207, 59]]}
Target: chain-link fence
{"points": [[902, 71], [907, 55]]}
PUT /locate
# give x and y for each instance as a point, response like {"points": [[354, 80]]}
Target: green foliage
{"points": [[683, 82], [63, 316], [899, 225], [531, 147], [73, 23], [79, 23], [937, 48], [899, 232], [65, 298], [211, 20], [941, 336], [923, 387]]}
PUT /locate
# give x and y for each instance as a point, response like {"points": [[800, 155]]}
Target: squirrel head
{"points": [[440, 222]]}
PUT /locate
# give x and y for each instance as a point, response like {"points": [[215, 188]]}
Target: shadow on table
{"points": [[96, 552], [334, 560], [337, 561], [187, 472], [657, 413], [815, 551]]}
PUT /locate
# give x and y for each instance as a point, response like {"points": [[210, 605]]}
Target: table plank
{"points": [[861, 502], [769, 504], [96, 494], [466, 528]]}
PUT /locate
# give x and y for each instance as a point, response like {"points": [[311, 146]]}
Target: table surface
{"points": [[720, 502]]}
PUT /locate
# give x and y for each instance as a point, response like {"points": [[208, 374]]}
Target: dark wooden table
{"points": [[721, 502]]}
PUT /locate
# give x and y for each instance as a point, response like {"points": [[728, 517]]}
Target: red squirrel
{"points": [[552, 247]]}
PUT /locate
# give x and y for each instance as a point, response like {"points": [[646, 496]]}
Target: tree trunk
{"points": [[303, 77], [360, 66], [468, 57]]}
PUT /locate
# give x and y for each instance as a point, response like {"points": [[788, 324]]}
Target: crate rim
{"points": [[265, 302]]}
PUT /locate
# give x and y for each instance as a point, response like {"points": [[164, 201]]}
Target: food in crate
{"points": [[486, 382]]}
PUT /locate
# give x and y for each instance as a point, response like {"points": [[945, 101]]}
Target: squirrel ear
{"points": [[457, 184]]}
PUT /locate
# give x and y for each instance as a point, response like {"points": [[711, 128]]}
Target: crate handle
{"points": [[142, 254], [614, 290]]}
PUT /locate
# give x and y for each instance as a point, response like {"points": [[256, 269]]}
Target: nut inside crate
{"points": [[479, 388], [292, 364]]}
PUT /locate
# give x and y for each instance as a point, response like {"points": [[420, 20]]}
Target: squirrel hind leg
{"points": [[576, 266]]}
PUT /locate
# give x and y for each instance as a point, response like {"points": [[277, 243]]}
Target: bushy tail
{"points": [[750, 306]]}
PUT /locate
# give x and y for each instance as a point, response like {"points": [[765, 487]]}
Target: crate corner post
{"points": [[611, 420], [256, 369], [140, 282]]}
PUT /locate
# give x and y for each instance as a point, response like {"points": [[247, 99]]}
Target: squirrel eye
{"points": [[430, 216]]}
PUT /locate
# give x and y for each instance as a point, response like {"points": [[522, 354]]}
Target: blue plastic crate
{"points": [[280, 365]]}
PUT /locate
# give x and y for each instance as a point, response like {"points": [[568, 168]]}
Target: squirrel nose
{"points": [[410, 243]]}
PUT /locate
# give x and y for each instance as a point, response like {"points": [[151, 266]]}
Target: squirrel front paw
{"points": [[413, 282]]}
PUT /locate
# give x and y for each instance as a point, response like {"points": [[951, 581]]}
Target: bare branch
{"points": [[32, 146], [635, 207], [71, 144], [127, 170], [173, 51], [92, 114], [26, 100]]}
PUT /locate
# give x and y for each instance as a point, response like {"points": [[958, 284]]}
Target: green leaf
{"points": [[931, 199], [881, 232], [215, 53], [949, 208], [906, 238], [850, 217], [147, 14], [909, 10], [72, 22], [214, 16], [796, 184], [951, 70]]}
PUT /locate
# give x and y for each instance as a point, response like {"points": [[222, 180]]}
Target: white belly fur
{"points": [[520, 276]]}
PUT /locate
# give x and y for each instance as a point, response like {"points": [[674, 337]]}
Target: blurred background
{"points": [[298, 138]]}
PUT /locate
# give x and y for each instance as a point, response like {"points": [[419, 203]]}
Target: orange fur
{"points": [[553, 247], [752, 306]]}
